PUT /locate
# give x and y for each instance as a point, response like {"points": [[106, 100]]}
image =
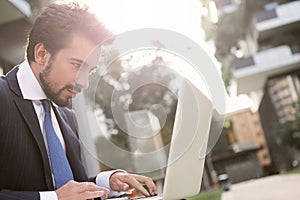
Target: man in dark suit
{"points": [[54, 71]]}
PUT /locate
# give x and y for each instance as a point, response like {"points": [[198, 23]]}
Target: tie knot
{"points": [[46, 105]]}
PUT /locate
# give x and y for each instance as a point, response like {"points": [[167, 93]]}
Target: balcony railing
{"points": [[252, 72], [283, 14]]}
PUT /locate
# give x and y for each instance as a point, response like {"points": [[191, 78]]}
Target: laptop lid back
{"points": [[188, 144]]}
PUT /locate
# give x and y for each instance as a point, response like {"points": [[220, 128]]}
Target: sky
{"points": [[123, 15]]}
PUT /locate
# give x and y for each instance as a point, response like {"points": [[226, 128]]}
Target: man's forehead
{"points": [[84, 49]]}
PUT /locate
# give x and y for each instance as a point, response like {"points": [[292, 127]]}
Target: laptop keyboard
{"points": [[157, 197]]}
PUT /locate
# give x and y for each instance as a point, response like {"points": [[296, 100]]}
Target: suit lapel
{"points": [[28, 113]]}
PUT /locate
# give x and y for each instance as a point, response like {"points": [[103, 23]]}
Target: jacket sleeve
{"points": [[18, 195]]}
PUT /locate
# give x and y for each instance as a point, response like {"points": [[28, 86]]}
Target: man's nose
{"points": [[83, 79]]}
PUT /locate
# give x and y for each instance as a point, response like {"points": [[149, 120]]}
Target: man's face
{"points": [[66, 74]]}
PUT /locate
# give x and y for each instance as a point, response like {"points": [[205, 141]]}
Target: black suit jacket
{"points": [[24, 164]]}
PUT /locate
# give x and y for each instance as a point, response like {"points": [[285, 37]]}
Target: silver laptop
{"points": [[188, 145]]}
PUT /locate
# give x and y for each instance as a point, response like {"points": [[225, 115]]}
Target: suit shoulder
{"points": [[4, 88], [5, 96], [3, 82]]}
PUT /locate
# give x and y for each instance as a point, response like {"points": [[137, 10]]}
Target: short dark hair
{"points": [[59, 22]]}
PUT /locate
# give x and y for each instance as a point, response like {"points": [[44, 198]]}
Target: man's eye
{"points": [[77, 65]]}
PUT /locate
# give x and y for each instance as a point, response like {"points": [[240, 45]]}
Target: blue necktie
{"points": [[60, 166]]}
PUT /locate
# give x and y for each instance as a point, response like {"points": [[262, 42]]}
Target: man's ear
{"points": [[40, 54]]}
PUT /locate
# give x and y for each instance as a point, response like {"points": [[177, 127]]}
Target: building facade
{"points": [[273, 70]]}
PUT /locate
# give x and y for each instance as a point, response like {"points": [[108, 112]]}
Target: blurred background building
{"points": [[258, 43], [16, 17]]}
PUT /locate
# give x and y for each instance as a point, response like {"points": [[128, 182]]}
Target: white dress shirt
{"points": [[31, 90]]}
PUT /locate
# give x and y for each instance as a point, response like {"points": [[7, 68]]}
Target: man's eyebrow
{"points": [[79, 60]]}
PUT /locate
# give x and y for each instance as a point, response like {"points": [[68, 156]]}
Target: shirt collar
{"points": [[29, 85]]}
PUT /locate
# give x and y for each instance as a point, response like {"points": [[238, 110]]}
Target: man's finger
{"points": [[149, 183], [119, 185], [89, 186], [133, 182], [92, 194]]}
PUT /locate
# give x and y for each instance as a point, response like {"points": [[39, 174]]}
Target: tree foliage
{"points": [[230, 29]]}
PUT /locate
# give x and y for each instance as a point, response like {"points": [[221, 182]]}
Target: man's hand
{"points": [[122, 181], [81, 191]]}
